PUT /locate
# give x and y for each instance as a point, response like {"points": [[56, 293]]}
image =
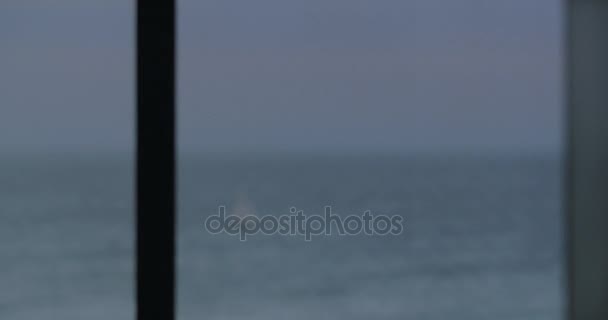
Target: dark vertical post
{"points": [[587, 163], [155, 159]]}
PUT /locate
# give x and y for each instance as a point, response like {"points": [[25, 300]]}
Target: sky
{"points": [[291, 75]]}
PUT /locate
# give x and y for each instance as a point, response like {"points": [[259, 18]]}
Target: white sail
{"points": [[242, 206]]}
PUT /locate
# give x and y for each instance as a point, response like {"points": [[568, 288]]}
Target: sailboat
{"points": [[242, 206]]}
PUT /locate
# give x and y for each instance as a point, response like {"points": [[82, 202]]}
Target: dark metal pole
{"points": [[587, 164], [155, 159]]}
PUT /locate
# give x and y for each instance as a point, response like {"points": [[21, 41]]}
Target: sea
{"points": [[482, 237]]}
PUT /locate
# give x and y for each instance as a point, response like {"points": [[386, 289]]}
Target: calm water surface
{"points": [[481, 240]]}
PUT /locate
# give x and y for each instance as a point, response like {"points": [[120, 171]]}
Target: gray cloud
{"points": [[286, 74]]}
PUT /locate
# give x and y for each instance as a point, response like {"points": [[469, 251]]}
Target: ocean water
{"points": [[482, 238]]}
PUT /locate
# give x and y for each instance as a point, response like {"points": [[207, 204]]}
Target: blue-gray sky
{"points": [[390, 75]]}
